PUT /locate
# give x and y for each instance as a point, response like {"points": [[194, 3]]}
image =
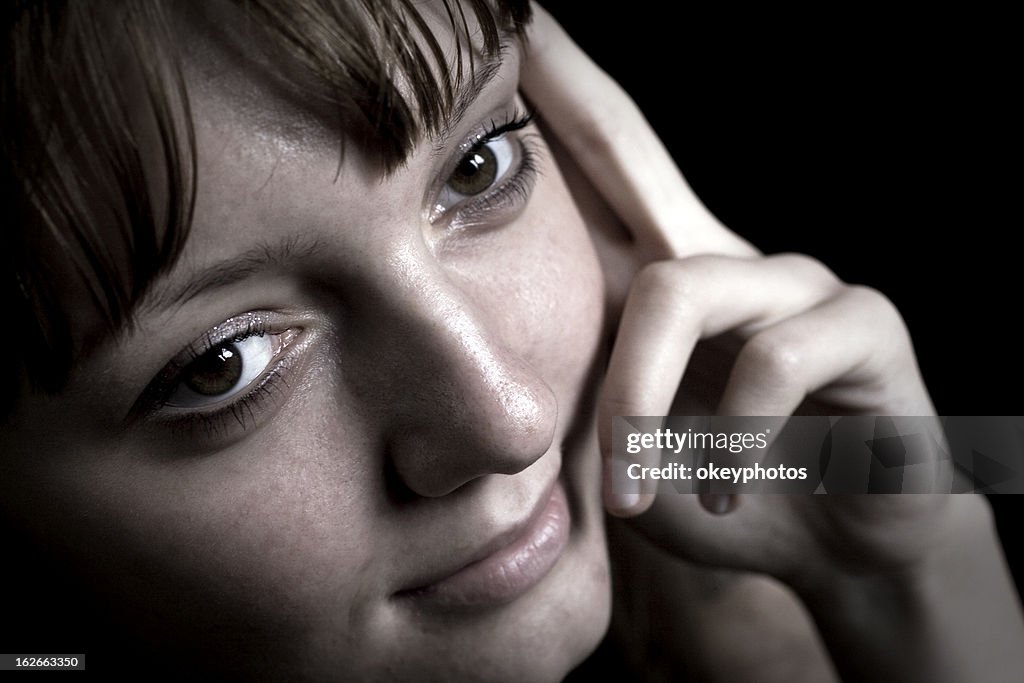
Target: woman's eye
{"points": [[223, 371], [480, 170]]}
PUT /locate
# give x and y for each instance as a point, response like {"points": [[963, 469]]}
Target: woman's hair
{"points": [[99, 171]]}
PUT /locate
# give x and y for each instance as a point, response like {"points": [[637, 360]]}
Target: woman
{"points": [[321, 327]]}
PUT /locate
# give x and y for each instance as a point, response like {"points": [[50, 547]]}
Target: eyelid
{"points": [[515, 117], [507, 197], [156, 393], [233, 329], [515, 120], [257, 354], [449, 198]]}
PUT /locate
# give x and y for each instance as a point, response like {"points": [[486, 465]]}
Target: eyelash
{"points": [[212, 422], [511, 191]]}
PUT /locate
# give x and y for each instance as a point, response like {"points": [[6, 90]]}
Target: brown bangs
{"points": [[362, 52], [99, 190]]}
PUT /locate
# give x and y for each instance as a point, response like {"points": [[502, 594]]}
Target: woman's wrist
{"points": [[953, 615]]}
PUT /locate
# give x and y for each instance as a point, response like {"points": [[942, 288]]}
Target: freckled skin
{"points": [[442, 379]]}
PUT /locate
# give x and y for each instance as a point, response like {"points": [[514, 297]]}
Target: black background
{"points": [[878, 141]]}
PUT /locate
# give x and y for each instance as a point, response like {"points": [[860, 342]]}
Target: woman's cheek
{"points": [[264, 537], [543, 277]]}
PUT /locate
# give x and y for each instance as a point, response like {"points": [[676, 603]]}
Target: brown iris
{"points": [[475, 173], [215, 372]]}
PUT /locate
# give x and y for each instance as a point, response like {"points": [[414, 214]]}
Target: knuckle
{"points": [[810, 269], [876, 306], [680, 279], [709, 263], [663, 278], [617, 405], [774, 354], [872, 297]]}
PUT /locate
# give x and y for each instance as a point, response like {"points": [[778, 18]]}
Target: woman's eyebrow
{"points": [[231, 270]]}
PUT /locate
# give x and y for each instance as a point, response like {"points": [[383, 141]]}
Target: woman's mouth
{"points": [[513, 563]]}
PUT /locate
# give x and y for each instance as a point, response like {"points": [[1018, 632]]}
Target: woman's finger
{"points": [[856, 339], [613, 144], [767, 534], [672, 305]]}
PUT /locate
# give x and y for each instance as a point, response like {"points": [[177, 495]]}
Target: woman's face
{"points": [[375, 456]]}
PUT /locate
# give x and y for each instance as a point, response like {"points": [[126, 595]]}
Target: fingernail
{"points": [[717, 503], [622, 494], [625, 501]]}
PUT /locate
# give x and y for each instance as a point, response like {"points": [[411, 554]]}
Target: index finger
{"points": [[617, 149]]}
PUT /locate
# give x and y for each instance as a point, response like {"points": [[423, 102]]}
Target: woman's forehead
{"points": [[264, 185], [270, 87], [383, 81]]}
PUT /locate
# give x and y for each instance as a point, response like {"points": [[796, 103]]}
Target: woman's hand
{"points": [[710, 325], [785, 328]]}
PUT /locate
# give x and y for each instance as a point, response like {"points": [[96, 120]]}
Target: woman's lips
{"points": [[509, 570]]}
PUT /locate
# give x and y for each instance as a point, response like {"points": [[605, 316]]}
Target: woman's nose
{"points": [[466, 400]]}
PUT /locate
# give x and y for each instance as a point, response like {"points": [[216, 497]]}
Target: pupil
{"points": [[216, 371], [475, 173], [471, 164]]}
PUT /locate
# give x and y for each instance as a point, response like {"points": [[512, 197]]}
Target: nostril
{"points": [[394, 485], [502, 432]]}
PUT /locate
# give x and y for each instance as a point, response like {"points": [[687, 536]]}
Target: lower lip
{"points": [[511, 571]]}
